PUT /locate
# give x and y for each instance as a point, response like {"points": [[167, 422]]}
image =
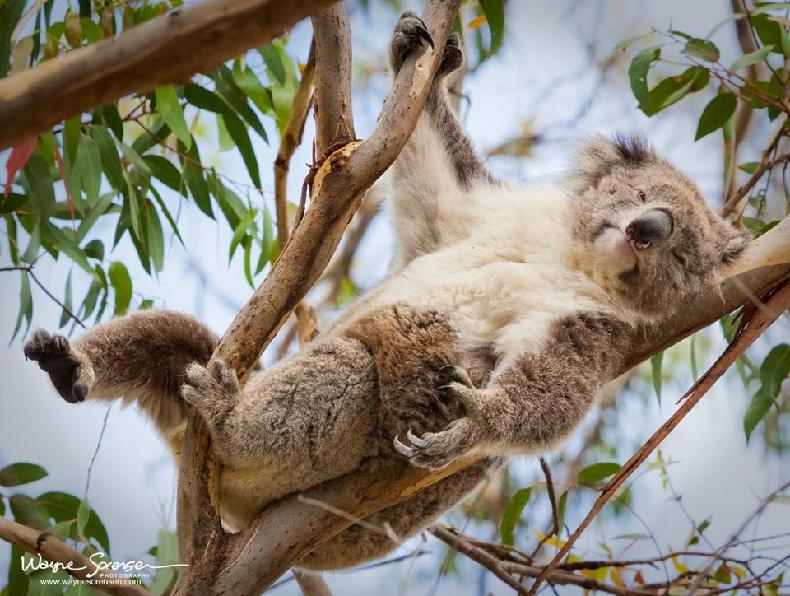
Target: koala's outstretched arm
{"points": [[438, 165], [141, 356], [532, 401]]}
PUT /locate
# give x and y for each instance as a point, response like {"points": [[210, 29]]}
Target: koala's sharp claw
{"points": [[415, 440], [401, 448], [423, 33]]}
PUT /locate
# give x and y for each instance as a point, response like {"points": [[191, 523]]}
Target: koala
{"points": [[506, 309]]}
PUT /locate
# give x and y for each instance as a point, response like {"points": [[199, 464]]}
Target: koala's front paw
{"points": [[436, 450], [214, 391], [410, 35], [457, 385], [70, 372]]}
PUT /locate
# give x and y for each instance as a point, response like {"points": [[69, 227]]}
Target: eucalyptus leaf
{"points": [[21, 473], [515, 505]]}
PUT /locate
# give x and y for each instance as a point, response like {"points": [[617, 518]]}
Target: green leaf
{"points": [[693, 357], [28, 512], [246, 80], [716, 114], [111, 163], [65, 243], [12, 202], [64, 507], [238, 132], [230, 204], [749, 167], [21, 473], [39, 181], [768, 30], [512, 513], [169, 107], [83, 514], [65, 317], [154, 238], [759, 406], [775, 368], [655, 366], [702, 48], [773, 371], [231, 93], [139, 173], [2, 506], [25, 304], [193, 175], [562, 507], [204, 99], [72, 129], [495, 16], [272, 57], [122, 285], [11, 12], [147, 140], [632, 536], [751, 58], [628, 42], [163, 170], [595, 473], [90, 167], [637, 73], [166, 212], [672, 89], [111, 118]]}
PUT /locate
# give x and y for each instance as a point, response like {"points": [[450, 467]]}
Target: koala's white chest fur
{"points": [[503, 285]]}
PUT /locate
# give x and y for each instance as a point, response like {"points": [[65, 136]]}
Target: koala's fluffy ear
{"points": [[597, 156]]}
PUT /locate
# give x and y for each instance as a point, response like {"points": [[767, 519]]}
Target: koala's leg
{"points": [[301, 422], [533, 400], [438, 165], [383, 531], [141, 356]]}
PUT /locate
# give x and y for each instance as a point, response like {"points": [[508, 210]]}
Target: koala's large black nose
{"points": [[650, 229]]}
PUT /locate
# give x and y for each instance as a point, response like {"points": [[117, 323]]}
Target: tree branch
{"points": [[505, 570], [182, 43], [332, 35], [291, 139], [73, 562], [255, 558]]}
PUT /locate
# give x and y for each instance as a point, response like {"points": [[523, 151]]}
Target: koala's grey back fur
{"points": [[501, 320]]}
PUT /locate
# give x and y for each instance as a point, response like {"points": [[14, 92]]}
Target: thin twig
{"points": [[29, 270]]}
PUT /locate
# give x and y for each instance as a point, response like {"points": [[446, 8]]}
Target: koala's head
{"points": [[644, 232]]}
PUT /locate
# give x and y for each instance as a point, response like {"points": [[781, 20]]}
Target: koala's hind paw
{"points": [[410, 35], [70, 372], [214, 391], [436, 450]]}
